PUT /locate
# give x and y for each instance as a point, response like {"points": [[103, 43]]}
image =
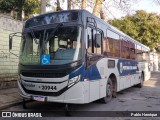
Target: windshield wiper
{"points": [[53, 32]]}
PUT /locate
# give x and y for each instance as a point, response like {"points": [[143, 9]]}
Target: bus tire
{"points": [[140, 85], [109, 92]]}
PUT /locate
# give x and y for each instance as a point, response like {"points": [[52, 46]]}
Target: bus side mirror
{"points": [[10, 42], [98, 40]]}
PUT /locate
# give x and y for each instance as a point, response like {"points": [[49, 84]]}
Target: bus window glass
{"points": [[64, 46], [125, 48], [30, 48], [138, 52], [132, 50], [106, 48], [114, 44]]}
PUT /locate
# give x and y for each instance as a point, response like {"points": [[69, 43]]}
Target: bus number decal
{"points": [[48, 87]]}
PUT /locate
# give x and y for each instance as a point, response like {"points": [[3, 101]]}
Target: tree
{"points": [[28, 6], [43, 6], [58, 8], [69, 4], [75, 2], [83, 6], [142, 26], [97, 8]]}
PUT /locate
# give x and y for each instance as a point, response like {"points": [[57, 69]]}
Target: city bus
{"points": [[74, 57]]}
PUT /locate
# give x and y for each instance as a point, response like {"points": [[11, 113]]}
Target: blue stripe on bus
{"points": [[126, 67], [79, 71], [92, 73]]}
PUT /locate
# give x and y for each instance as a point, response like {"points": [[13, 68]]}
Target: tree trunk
{"points": [[19, 14], [20, 8], [43, 6], [69, 4], [102, 15], [83, 4], [97, 7], [58, 6], [75, 4], [14, 14]]}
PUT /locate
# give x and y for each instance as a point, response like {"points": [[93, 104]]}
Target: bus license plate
{"points": [[39, 98]]}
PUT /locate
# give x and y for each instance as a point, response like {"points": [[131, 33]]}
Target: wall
{"points": [[159, 61], [8, 61], [154, 61]]}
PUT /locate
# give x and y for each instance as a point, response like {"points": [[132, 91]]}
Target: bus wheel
{"points": [[109, 92], [140, 85]]}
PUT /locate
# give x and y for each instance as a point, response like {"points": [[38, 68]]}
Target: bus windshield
{"points": [[62, 45]]}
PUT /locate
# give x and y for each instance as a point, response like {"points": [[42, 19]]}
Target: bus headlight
{"points": [[73, 80]]}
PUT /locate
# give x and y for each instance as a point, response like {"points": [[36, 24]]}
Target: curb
{"points": [[7, 105]]}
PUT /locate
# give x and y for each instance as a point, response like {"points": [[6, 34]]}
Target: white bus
{"points": [[75, 57]]}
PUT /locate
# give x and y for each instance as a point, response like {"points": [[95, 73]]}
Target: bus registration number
{"points": [[48, 87]]}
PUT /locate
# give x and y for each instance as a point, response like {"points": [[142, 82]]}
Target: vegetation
{"points": [[142, 26], [17, 6]]}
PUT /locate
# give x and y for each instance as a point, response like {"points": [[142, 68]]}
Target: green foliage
{"points": [[28, 6], [142, 26], [7, 5], [31, 7]]}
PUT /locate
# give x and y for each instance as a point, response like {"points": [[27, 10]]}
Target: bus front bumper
{"points": [[77, 94]]}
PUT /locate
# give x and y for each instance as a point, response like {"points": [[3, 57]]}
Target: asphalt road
{"points": [[131, 99]]}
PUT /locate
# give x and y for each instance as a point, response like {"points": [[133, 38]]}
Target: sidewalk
{"points": [[9, 97]]}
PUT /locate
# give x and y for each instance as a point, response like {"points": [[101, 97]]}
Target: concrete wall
{"points": [[159, 61], [8, 62], [154, 61]]}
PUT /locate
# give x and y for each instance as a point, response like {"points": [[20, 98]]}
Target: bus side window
{"points": [[132, 50], [114, 44], [106, 48], [125, 49]]}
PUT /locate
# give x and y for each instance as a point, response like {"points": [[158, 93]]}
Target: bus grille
{"points": [[43, 75]]}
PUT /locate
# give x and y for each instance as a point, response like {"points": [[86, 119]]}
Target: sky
{"points": [[112, 11], [147, 5]]}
